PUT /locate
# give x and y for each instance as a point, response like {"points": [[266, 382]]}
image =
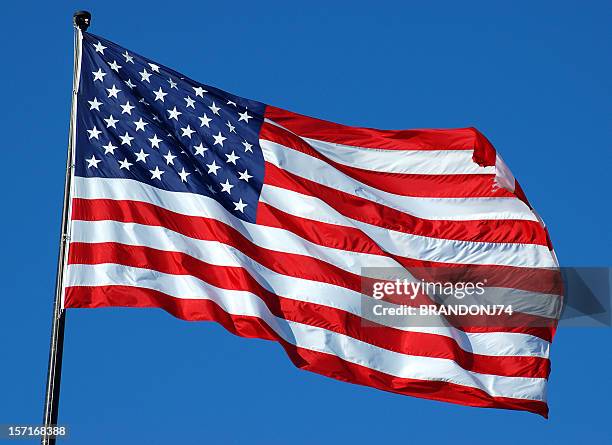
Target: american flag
{"points": [[215, 207]]}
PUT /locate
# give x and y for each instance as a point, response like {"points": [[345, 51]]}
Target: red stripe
{"points": [[321, 363], [289, 264], [324, 234], [454, 139], [354, 207], [419, 185], [237, 278]]}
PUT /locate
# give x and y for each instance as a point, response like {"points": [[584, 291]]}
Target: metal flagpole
{"points": [[81, 21]]}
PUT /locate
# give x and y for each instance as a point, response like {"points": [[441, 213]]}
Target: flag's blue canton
{"points": [[140, 120]]}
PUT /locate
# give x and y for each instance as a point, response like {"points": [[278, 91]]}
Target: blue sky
{"points": [[535, 77]]}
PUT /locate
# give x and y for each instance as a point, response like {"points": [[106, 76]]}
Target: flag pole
{"points": [[81, 21]]}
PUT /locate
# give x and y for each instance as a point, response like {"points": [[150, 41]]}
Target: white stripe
{"points": [[458, 209], [426, 162], [285, 241], [216, 253], [503, 175], [409, 245], [310, 337], [416, 162]]}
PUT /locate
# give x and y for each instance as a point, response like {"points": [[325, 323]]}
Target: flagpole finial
{"points": [[82, 20]]}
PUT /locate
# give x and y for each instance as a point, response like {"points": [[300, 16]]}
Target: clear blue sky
{"points": [[535, 77]]}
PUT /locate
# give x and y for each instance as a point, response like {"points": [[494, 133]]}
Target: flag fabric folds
{"points": [[215, 207]]}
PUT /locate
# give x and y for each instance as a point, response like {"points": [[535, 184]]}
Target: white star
{"points": [[174, 113], [244, 175], [212, 168], [111, 121], [126, 139], [169, 158], [183, 174], [129, 83], [155, 141], [94, 104], [172, 84], [125, 164], [112, 92], [99, 75], [141, 156], [219, 139], [212, 190], [240, 206], [230, 102], [215, 109], [94, 133], [145, 75], [127, 108], [232, 129], [247, 147], [159, 94], [128, 58], [244, 117], [204, 120], [226, 186], [143, 101], [200, 149], [93, 162], [190, 102], [156, 174], [187, 131], [140, 124], [199, 91], [232, 158], [154, 67], [109, 148], [115, 66], [99, 48]]}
